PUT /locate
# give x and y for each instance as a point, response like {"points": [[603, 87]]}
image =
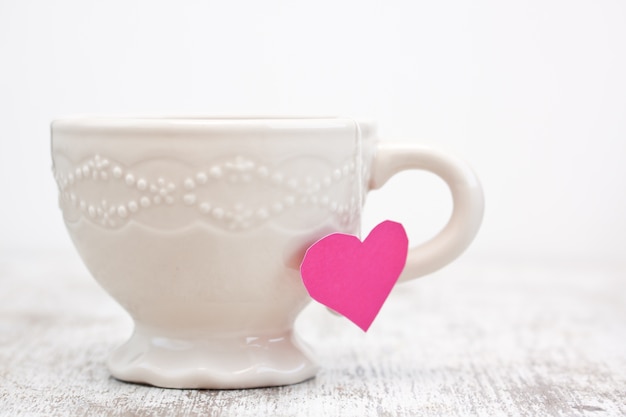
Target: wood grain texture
{"points": [[475, 339]]}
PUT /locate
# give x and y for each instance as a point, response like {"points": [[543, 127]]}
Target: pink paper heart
{"points": [[355, 278]]}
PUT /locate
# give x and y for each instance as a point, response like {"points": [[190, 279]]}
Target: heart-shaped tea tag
{"points": [[354, 278]]}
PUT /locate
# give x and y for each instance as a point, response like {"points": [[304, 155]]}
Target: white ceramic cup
{"points": [[198, 226]]}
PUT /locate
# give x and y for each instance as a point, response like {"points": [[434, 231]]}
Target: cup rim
{"points": [[202, 123]]}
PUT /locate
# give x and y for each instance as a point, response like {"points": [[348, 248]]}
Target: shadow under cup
{"points": [[197, 227]]}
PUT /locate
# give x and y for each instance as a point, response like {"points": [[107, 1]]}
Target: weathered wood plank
{"points": [[477, 339]]}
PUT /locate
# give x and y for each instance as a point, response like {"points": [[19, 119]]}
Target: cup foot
{"points": [[212, 362]]}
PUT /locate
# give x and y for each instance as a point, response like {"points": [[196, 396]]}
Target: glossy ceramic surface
{"points": [[198, 226]]}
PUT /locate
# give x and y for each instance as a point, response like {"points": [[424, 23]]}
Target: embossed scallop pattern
{"points": [[109, 194]]}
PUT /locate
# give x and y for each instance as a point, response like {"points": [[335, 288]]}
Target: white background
{"points": [[531, 93]]}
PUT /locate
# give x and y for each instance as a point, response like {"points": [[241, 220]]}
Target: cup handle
{"points": [[467, 199]]}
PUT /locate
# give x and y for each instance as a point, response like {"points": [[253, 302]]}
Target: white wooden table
{"points": [[478, 338]]}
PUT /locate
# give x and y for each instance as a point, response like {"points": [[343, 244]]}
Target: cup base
{"points": [[212, 362]]}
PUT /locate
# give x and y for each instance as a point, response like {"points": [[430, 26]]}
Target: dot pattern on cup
{"points": [[153, 193]]}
